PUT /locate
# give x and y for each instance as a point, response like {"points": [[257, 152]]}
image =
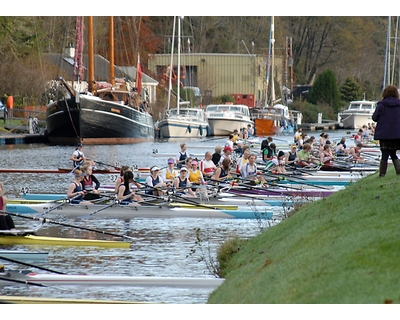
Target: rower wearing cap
{"points": [[155, 181], [227, 154], [75, 190], [168, 174], [78, 158], [195, 175], [182, 183]]}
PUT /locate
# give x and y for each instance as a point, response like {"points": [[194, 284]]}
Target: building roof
{"points": [[101, 68]]}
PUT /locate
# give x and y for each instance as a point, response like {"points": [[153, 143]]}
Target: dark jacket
{"points": [[387, 118]]}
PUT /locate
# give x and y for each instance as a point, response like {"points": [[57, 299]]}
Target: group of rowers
{"points": [[184, 174]]}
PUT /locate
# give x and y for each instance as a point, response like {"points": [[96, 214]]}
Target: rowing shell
{"points": [[103, 280], [144, 211], [23, 255], [55, 241]]}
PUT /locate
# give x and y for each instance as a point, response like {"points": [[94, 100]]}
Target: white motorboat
{"points": [[224, 118], [359, 113], [187, 122]]}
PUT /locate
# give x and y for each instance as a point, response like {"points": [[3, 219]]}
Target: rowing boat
{"points": [[12, 277], [55, 241], [23, 255], [175, 210], [43, 300]]}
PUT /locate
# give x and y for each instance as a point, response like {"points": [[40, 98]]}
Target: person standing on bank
{"points": [[387, 131]]}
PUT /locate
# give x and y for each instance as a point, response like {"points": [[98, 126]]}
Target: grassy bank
{"points": [[344, 249]]}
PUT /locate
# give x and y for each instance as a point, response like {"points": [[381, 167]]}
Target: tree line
{"points": [[353, 48]]}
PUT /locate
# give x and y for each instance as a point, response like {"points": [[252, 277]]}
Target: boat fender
{"points": [[189, 128], [201, 130]]}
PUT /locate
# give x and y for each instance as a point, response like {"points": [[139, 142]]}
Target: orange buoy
{"points": [[10, 102]]}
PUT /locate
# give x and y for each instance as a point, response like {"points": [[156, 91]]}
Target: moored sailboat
{"points": [[182, 121], [106, 113]]}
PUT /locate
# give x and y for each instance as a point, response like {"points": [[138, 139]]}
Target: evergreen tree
{"points": [[350, 90], [325, 90]]}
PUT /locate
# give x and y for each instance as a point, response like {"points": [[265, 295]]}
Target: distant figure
{"points": [[217, 155], [121, 178], [169, 173], [75, 191], [124, 190], [181, 156], [6, 221], [207, 166], [265, 143], [355, 153], [291, 156], [182, 185], [155, 182], [78, 158], [90, 183], [387, 131], [297, 135], [250, 130]]}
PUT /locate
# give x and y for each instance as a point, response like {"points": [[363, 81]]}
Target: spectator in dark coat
{"points": [[387, 118]]}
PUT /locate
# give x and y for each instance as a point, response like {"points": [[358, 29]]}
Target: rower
{"points": [[181, 156], [6, 221], [124, 190], [78, 158], [75, 190], [207, 166], [182, 185]]}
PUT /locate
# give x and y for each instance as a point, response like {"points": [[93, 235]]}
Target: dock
{"points": [[324, 126], [22, 138]]}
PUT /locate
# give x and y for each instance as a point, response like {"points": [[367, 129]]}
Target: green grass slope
{"points": [[344, 249]]}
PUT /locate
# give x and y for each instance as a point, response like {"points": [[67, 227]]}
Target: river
{"points": [[162, 247]]}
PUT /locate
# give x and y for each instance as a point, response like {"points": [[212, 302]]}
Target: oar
{"points": [[44, 220], [22, 281], [189, 201], [107, 206], [108, 165], [30, 265], [66, 200], [307, 184]]}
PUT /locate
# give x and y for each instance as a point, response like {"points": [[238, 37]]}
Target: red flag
{"points": [[139, 76]]}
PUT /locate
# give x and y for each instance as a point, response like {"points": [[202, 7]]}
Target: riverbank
{"points": [[340, 250]]}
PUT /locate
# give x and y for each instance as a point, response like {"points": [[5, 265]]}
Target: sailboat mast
{"points": [[111, 51], [90, 56], [272, 61], [268, 65], [171, 64], [179, 64]]}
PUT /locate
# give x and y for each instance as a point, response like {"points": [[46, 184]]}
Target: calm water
{"points": [[162, 247]]}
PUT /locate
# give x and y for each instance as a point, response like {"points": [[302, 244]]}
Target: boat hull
{"points": [[105, 280], [24, 255], [175, 128], [54, 241], [130, 212], [355, 121], [184, 123], [224, 127], [96, 121]]}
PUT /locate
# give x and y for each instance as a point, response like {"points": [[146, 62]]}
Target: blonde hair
{"points": [[78, 173]]}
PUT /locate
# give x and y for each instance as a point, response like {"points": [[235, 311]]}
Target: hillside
{"points": [[343, 249]]}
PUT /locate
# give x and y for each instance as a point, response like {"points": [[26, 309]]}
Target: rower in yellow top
{"points": [[195, 175], [168, 174]]}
